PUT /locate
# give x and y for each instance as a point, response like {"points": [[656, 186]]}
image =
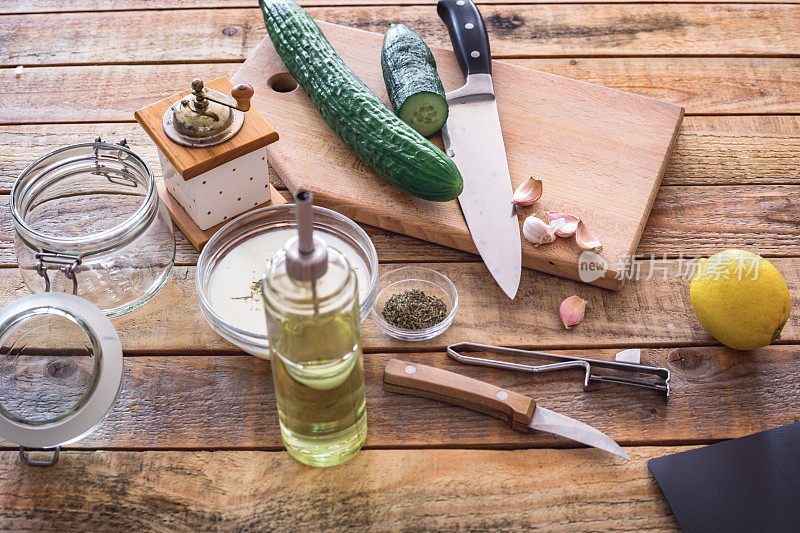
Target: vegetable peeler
{"points": [[622, 372]]}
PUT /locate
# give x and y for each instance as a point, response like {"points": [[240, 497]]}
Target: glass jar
{"points": [[317, 363], [89, 221]]}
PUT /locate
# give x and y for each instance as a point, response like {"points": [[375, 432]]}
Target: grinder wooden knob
{"points": [[242, 93]]}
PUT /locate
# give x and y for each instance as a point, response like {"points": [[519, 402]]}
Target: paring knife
{"points": [[472, 137], [517, 410]]}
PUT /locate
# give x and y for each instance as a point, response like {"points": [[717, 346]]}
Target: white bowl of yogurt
{"points": [[234, 260]]}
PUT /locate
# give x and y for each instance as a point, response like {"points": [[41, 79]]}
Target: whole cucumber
{"points": [[365, 125]]}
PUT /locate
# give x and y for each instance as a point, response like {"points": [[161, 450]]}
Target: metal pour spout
{"points": [[306, 258]]}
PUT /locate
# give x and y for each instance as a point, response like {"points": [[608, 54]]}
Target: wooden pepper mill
{"points": [[213, 155]]}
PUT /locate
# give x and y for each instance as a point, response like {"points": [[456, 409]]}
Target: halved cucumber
{"points": [[412, 83]]}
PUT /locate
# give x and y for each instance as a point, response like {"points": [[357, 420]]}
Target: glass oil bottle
{"points": [[310, 294]]}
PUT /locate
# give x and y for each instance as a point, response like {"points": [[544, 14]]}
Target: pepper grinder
{"points": [[213, 155]]}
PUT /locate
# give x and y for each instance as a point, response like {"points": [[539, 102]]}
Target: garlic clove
{"points": [[572, 310], [586, 239], [570, 225], [537, 231], [528, 192], [555, 225]]}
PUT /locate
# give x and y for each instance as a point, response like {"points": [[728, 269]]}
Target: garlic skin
{"points": [[572, 310], [586, 239], [537, 232], [570, 225], [528, 192]]}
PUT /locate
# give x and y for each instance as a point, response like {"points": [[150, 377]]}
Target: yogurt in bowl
{"points": [[233, 262]]}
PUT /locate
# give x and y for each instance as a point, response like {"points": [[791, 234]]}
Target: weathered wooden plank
{"points": [[391, 247], [228, 401], [540, 30], [736, 150], [58, 6], [684, 220], [709, 151], [94, 94], [381, 490], [701, 85], [650, 312], [733, 150], [763, 219]]}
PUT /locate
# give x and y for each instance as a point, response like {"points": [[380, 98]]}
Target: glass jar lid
{"points": [[60, 370]]}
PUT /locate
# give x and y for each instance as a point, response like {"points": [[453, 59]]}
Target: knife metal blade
{"points": [[474, 140], [472, 137], [564, 426]]}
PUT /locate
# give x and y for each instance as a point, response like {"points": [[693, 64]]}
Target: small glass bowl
{"points": [[413, 277], [263, 221]]}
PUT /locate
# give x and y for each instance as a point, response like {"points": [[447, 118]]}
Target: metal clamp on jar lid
{"points": [[60, 372], [206, 117]]}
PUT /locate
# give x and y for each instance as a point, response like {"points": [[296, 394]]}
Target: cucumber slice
{"points": [[412, 83], [424, 111]]}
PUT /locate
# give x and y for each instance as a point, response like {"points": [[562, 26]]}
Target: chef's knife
{"points": [[517, 410], [472, 137]]}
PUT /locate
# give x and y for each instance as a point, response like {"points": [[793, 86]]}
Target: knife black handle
{"points": [[468, 35]]}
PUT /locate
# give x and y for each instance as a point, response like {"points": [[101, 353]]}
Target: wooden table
{"points": [[193, 442]]}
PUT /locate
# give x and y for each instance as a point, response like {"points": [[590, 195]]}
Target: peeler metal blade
{"points": [[624, 373]]}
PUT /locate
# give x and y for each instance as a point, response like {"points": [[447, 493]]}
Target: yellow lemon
{"points": [[740, 299]]}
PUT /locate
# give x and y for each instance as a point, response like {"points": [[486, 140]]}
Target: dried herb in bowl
{"points": [[413, 309]]}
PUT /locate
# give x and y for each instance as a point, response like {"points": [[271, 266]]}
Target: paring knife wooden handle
{"points": [[437, 384]]}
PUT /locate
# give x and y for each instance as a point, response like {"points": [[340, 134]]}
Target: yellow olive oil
{"points": [[318, 369]]}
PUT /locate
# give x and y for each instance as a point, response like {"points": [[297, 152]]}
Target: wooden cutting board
{"points": [[600, 152]]}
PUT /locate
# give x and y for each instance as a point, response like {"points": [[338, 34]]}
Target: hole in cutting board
{"points": [[283, 82]]}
